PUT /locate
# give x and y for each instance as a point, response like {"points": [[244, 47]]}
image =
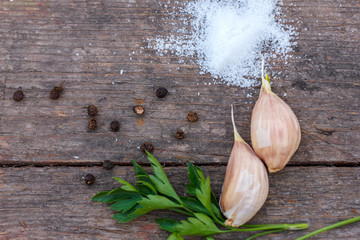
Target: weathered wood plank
{"points": [[87, 44], [54, 202]]}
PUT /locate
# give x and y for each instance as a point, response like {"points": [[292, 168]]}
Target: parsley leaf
{"points": [[195, 205], [113, 195], [103, 197], [124, 217], [200, 188], [196, 176], [127, 186], [154, 202], [146, 188], [127, 202], [144, 185], [200, 225], [160, 180], [204, 194], [175, 236], [140, 172]]}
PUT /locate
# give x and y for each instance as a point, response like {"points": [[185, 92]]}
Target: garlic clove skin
{"points": [[275, 130], [246, 183]]}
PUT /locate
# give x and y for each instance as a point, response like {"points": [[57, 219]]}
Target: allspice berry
{"points": [[107, 165], [92, 110], [18, 95], [146, 146], [139, 110], [192, 117], [115, 126], [92, 124], [89, 179], [161, 92], [179, 134]]}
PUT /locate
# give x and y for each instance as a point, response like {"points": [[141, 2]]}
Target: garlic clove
{"points": [[246, 183], [275, 130]]}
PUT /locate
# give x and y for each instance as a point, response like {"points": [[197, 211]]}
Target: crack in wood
{"points": [[99, 164], [324, 130]]}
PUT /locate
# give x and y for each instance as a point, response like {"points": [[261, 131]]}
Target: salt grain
{"points": [[229, 38]]}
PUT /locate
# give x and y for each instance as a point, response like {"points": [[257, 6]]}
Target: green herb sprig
{"points": [[155, 192]]}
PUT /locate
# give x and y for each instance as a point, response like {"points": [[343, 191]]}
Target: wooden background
{"points": [[46, 149]]}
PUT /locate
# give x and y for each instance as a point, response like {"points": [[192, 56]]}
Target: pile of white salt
{"points": [[228, 38]]}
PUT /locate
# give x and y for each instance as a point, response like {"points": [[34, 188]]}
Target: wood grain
{"points": [[54, 202], [86, 44]]}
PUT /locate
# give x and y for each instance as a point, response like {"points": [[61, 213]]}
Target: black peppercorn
{"points": [[92, 110], [192, 117], [139, 110], [18, 95], [161, 92], [146, 146], [107, 164], [89, 179], [92, 125], [55, 93], [115, 126], [179, 134]]}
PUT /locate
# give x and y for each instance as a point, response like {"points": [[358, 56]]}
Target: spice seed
{"points": [[146, 146], [192, 117], [18, 95], [92, 110], [92, 125], [161, 92], [115, 126], [139, 110], [107, 165], [89, 179], [55, 93], [179, 134]]}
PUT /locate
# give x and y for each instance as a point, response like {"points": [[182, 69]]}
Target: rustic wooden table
{"points": [[46, 149]]}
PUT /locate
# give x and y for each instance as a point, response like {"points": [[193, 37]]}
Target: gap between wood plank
{"points": [[99, 164]]}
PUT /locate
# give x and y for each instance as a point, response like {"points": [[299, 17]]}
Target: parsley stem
{"points": [[296, 226], [287, 226], [264, 233], [335, 225], [181, 211], [186, 208], [218, 221]]}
